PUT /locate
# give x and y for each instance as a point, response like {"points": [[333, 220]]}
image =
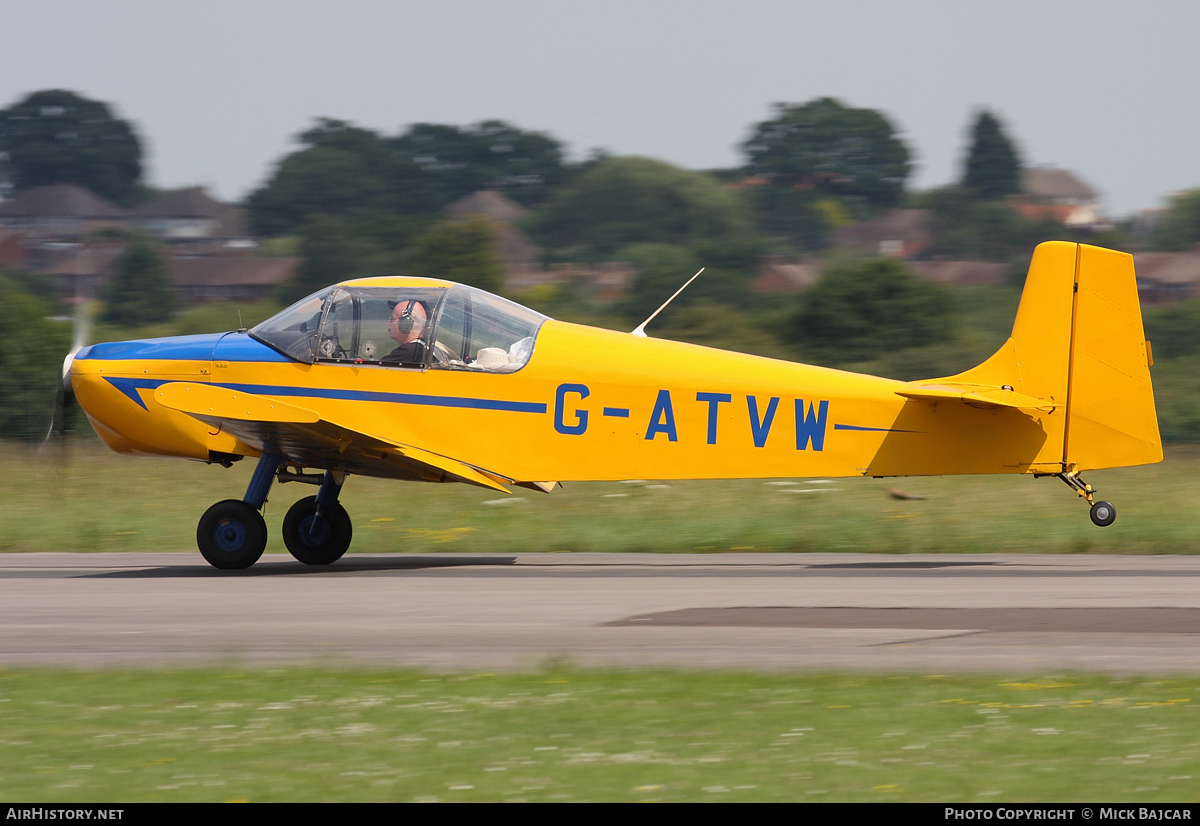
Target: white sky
{"points": [[1107, 89]]}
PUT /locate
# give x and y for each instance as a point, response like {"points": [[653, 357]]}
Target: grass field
{"points": [[85, 498], [305, 735]]}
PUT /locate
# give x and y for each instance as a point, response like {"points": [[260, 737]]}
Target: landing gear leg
{"points": [[1103, 513], [317, 530], [232, 533]]}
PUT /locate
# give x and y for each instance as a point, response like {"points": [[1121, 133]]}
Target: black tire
{"points": [[1104, 514], [231, 535], [313, 542]]}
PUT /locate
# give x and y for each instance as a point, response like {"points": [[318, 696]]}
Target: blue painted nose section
{"points": [[175, 348], [207, 347]]}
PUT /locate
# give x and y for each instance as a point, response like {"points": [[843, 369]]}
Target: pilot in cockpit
{"points": [[406, 326]]}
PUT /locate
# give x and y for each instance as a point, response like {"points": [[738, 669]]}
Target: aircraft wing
{"points": [[976, 395], [270, 425]]}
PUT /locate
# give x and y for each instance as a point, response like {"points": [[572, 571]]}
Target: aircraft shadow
{"points": [[901, 565], [290, 567], [956, 438]]}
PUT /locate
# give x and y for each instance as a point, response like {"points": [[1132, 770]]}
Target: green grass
{"points": [[85, 498], [323, 735]]}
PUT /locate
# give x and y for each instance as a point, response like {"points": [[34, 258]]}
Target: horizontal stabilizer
{"points": [[976, 395]]}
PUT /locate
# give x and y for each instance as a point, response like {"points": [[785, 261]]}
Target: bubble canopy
{"points": [[405, 323]]}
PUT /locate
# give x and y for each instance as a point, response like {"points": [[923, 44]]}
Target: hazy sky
{"points": [[1107, 89]]}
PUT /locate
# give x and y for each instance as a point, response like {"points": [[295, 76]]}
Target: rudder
{"points": [[1111, 420]]}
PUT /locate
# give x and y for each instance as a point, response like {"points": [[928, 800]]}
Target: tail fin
{"points": [[1078, 345]]}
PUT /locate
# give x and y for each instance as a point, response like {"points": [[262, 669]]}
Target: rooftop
{"points": [[59, 201]]}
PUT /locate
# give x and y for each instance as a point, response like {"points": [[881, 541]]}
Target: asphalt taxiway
{"points": [[915, 614]]}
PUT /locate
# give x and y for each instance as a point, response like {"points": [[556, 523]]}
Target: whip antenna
{"points": [[640, 330]]}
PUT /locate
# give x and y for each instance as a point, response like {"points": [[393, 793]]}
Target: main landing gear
{"points": [[1103, 513], [316, 530]]}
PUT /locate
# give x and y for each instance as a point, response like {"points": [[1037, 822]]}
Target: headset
{"points": [[405, 322]]}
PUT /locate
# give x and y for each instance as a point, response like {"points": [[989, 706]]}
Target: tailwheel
{"points": [[1104, 514], [231, 535], [317, 539]]}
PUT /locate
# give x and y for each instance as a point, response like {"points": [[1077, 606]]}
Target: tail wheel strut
{"points": [[1103, 513]]}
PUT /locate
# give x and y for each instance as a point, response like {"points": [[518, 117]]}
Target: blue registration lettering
{"points": [[760, 429], [810, 427], [662, 420], [581, 416], [713, 400]]}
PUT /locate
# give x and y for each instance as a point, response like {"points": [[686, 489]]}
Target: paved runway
{"points": [[1013, 614]]}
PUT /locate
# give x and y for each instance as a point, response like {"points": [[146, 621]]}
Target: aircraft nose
{"points": [[177, 348]]}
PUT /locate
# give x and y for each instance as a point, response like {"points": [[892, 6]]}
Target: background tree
{"points": [[457, 161], [1180, 228], [460, 251], [29, 374], [993, 169], [58, 137], [370, 180], [342, 171], [661, 269], [634, 200], [830, 150], [965, 227], [140, 291], [329, 253], [854, 313]]}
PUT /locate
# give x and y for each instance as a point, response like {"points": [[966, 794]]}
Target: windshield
{"points": [[293, 332]]}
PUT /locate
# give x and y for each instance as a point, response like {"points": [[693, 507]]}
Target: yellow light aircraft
{"points": [[484, 391]]}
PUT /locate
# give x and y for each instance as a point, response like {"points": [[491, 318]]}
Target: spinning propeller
{"points": [[64, 395]]}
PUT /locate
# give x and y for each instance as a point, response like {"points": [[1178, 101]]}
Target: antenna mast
{"points": [[640, 330]]}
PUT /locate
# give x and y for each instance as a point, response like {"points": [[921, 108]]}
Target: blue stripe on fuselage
{"points": [[395, 398], [872, 429], [130, 387]]}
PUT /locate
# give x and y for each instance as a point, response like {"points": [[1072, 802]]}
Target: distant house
{"points": [[200, 279], [47, 237], [61, 210], [1058, 195], [72, 267], [1167, 277], [487, 203], [898, 233], [777, 275], [12, 250], [190, 214], [522, 258], [1049, 185], [961, 273]]}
